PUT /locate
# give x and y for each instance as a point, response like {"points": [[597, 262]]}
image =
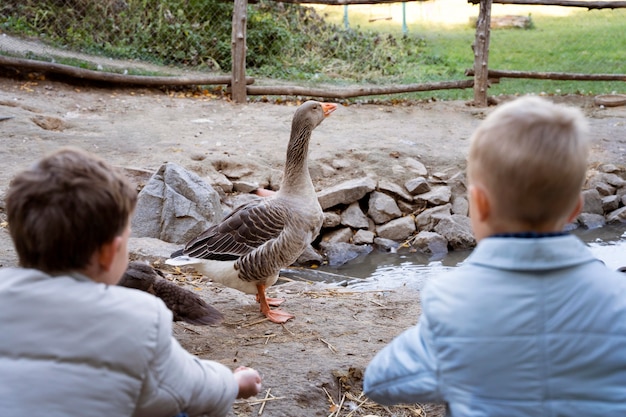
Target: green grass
{"points": [[589, 42]]}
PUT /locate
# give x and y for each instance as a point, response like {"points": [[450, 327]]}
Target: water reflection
{"points": [[380, 270]]}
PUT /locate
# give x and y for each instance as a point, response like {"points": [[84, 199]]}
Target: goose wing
{"points": [[243, 230]]}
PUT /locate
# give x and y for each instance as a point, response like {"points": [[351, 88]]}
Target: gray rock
{"points": [[338, 253], [220, 182], [398, 229], [614, 180], [241, 186], [362, 237], [609, 168], [340, 235], [460, 206], [150, 249], [457, 230], [354, 217], [604, 189], [175, 206], [592, 202], [591, 221], [428, 219], [417, 185], [395, 190], [382, 208], [387, 245], [430, 242], [610, 203], [309, 257], [436, 196], [345, 193], [331, 219], [617, 216]]}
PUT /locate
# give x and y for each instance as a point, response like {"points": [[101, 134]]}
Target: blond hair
{"points": [[531, 156]]}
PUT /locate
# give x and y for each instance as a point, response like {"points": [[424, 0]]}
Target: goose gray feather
{"points": [[247, 250]]}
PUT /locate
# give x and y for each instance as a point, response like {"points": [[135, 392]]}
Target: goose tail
{"points": [[182, 260]]}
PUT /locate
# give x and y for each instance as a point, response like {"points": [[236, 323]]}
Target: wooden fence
{"points": [[241, 86], [481, 73]]}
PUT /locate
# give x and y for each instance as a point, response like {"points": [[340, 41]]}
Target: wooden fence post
{"points": [[238, 68], [481, 53]]}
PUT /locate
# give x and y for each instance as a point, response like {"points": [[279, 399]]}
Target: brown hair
{"points": [[531, 155], [65, 207]]}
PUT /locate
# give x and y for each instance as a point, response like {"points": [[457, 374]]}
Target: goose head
{"points": [[310, 114]]}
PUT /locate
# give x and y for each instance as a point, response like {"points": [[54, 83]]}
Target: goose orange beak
{"points": [[328, 108]]}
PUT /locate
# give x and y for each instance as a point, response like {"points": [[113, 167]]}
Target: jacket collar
{"points": [[531, 254]]}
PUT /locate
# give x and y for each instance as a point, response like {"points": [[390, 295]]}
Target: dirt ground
{"points": [[312, 366]]}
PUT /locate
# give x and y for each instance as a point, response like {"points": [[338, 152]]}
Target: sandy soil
{"points": [[314, 363]]}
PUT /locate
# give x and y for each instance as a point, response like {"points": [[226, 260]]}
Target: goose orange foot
{"points": [[272, 302], [276, 316]]}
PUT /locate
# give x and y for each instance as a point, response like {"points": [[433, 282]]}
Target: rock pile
{"points": [[427, 213]]}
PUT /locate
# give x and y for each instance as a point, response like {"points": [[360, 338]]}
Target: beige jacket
{"points": [[70, 346]]}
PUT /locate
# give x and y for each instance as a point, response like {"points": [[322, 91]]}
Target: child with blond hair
{"points": [[531, 324], [71, 341]]}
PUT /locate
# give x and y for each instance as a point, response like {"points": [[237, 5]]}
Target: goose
{"points": [[249, 247], [185, 305]]}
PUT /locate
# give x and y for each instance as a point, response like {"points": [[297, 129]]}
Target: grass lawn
{"points": [[563, 40]]}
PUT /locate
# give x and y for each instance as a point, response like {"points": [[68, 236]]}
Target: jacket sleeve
{"points": [[178, 381], [405, 371]]}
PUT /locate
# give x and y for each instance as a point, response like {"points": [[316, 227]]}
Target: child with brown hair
{"points": [[531, 324], [74, 343]]}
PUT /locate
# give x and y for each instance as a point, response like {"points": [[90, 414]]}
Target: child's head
{"points": [[529, 158], [65, 208]]}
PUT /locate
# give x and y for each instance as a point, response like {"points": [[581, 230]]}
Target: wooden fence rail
{"points": [[242, 86], [480, 72]]}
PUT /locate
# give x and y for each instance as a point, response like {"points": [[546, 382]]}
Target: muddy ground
{"points": [[312, 366]]}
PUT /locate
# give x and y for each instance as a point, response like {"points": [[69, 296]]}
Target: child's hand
{"points": [[249, 381]]}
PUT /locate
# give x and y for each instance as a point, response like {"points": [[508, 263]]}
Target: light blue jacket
{"points": [[525, 327], [73, 347]]}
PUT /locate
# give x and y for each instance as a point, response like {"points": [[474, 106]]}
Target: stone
{"points": [[592, 202], [354, 217], [175, 206], [339, 253], [340, 235], [457, 230], [614, 180], [430, 242], [150, 249], [436, 196], [346, 192], [382, 208], [591, 221], [460, 205], [604, 189], [387, 245], [428, 219], [398, 229], [309, 257], [417, 185], [362, 237], [240, 186], [610, 203], [395, 190], [331, 219], [617, 216]]}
